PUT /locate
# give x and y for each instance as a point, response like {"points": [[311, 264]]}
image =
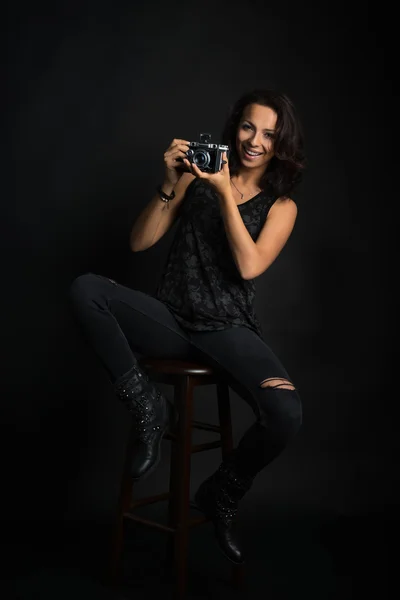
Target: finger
{"points": [[194, 169], [177, 141], [173, 149], [197, 171], [177, 154], [188, 165], [178, 144]]}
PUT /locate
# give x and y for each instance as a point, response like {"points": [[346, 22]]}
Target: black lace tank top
{"points": [[201, 284]]}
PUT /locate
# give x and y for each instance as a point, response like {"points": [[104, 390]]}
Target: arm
{"points": [[253, 258], [153, 222]]}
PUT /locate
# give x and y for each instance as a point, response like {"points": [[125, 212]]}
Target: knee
{"points": [[283, 408], [82, 290], [293, 411]]}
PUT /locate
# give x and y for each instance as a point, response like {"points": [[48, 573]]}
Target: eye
{"points": [[246, 126]]}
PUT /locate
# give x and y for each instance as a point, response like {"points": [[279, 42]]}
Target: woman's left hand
{"points": [[220, 180]]}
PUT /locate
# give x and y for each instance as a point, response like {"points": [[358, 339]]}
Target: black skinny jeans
{"points": [[118, 322]]}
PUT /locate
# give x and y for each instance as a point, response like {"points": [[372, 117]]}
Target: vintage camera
{"points": [[206, 156]]}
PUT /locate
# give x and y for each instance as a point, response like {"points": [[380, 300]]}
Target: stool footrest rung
{"points": [[206, 426], [198, 521], [149, 523], [150, 500], [170, 435], [206, 446], [197, 447], [193, 522]]}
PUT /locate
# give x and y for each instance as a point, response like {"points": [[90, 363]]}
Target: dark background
{"points": [[95, 94]]}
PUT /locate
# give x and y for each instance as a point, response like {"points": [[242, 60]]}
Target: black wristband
{"points": [[165, 196]]}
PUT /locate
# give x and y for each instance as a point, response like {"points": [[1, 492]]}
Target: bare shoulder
{"points": [[284, 203], [284, 208]]}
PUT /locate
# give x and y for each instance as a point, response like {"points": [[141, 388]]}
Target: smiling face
{"points": [[255, 137]]}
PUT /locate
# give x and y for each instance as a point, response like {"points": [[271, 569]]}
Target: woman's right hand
{"points": [[174, 168]]}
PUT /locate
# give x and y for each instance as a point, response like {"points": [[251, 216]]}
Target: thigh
{"points": [[147, 324], [242, 355]]}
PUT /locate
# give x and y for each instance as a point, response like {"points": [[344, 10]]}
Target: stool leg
{"points": [[124, 502], [180, 485], [225, 422]]}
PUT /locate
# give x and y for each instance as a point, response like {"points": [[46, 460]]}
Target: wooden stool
{"points": [[184, 376]]}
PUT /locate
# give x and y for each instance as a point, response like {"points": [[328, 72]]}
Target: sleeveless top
{"points": [[201, 284]]}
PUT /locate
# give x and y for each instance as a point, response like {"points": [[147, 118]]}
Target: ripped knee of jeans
{"points": [[282, 407], [277, 383]]}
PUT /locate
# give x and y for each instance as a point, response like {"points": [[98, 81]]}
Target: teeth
{"points": [[253, 153]]}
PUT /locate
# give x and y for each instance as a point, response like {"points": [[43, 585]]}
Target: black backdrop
{"points": [[96, 93]]}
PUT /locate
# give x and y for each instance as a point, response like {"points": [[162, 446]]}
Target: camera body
{"points": [[205, 155]]}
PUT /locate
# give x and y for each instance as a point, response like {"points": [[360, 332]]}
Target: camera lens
{"points": [[201, 158]]}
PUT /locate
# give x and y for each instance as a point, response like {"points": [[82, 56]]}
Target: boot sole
{"points": [[172, 419]]}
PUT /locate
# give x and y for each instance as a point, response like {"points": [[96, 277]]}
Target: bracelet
{"points": [[164, 197]]}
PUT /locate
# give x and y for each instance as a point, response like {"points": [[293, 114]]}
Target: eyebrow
{"points": [[268, 130]]}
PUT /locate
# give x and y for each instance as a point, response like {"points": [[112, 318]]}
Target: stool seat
{"points": [[171, 366]]}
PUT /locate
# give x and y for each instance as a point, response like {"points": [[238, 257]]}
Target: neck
{"points": [[249, 177], [247, 180]]}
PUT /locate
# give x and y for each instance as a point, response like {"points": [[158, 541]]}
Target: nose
{"points": [[255, 140]]}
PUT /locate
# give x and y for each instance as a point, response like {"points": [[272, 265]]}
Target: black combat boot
{"points": [[217, 498], [151, 412]]}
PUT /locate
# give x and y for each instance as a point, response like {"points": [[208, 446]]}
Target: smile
{"points": [[250, 154]]}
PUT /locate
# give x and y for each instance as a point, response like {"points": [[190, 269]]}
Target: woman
{"points": [[232, 226]]}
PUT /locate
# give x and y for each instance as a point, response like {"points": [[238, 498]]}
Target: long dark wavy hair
{"points": [[285, 169]]}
